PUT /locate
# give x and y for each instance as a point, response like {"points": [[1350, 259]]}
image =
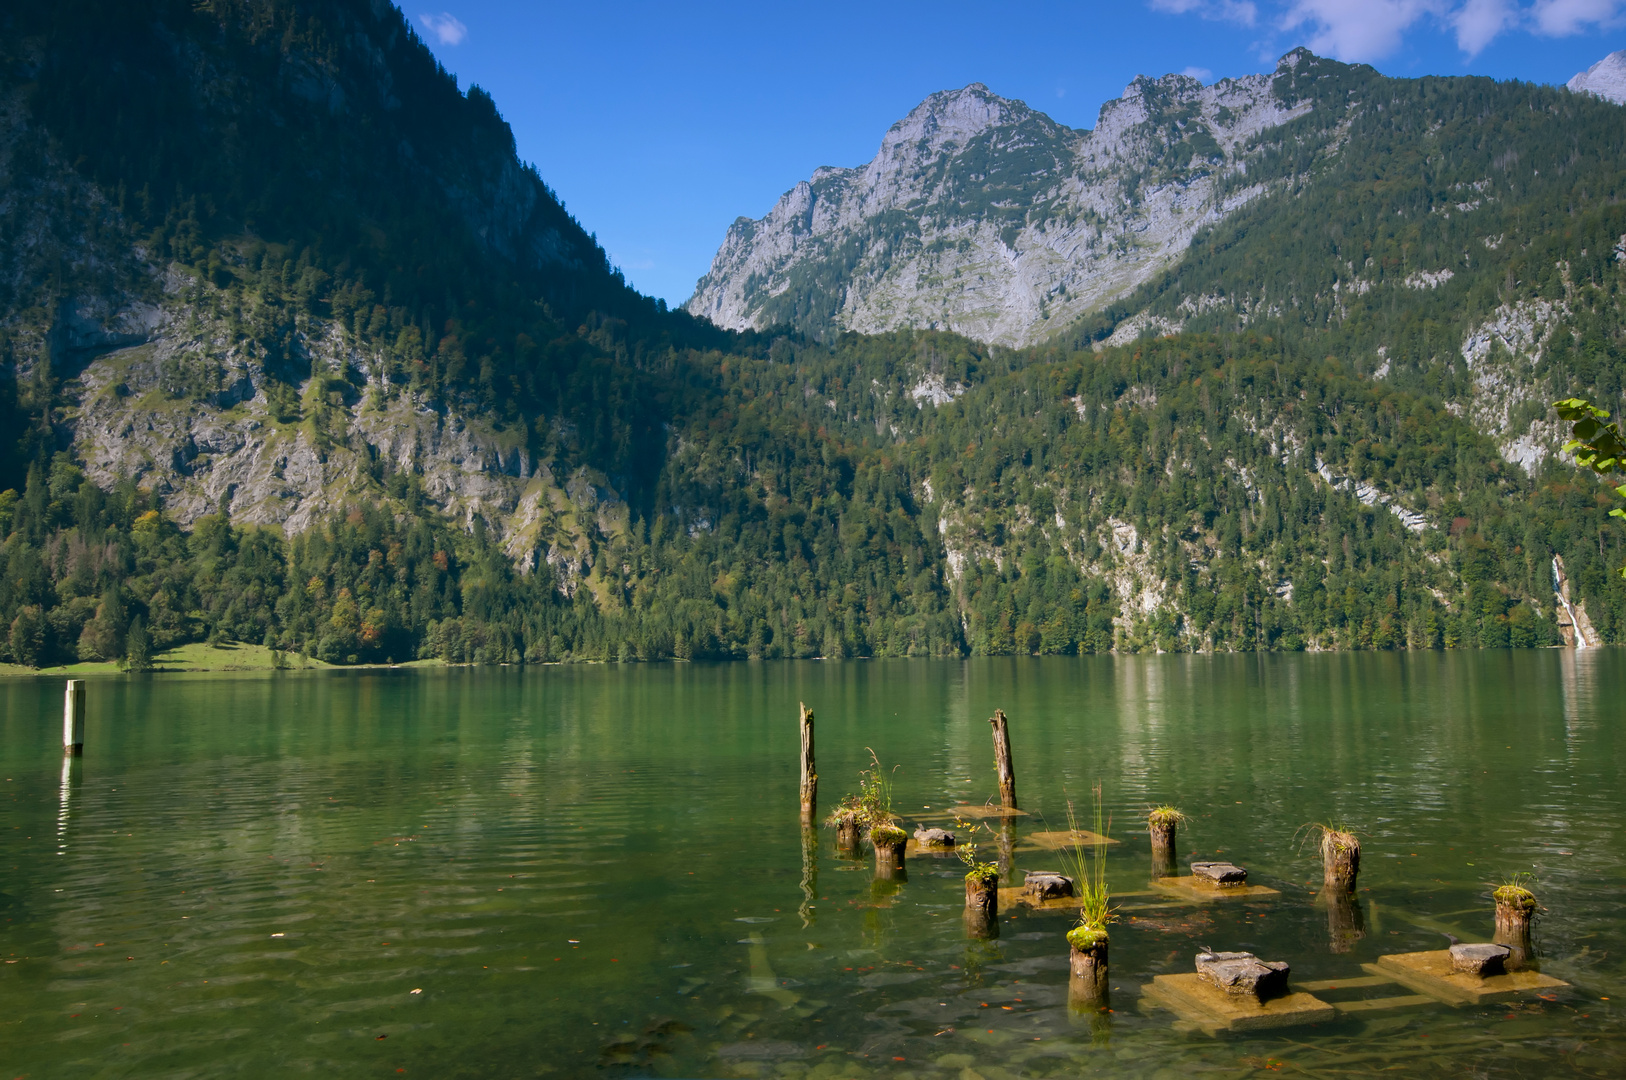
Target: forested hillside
{"points": [[297, 352]]}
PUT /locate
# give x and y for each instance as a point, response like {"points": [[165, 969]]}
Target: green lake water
{"points": [[599, 871]]}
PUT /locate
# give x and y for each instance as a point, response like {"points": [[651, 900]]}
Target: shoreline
{"points": [[203, 657]]}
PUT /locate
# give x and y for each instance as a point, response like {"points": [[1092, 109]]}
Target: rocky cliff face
{"points": [[1605, 79], [181, 377], [986, 217]]}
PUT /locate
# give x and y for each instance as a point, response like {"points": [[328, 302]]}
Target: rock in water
{"points": [[1481, 960], [1242, 973], [934, 838], [1047, 885], [1220, 873]]}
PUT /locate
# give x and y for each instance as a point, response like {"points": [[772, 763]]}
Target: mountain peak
{"points": [[1605, 79]]}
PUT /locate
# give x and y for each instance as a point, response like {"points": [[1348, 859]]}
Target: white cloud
{"points": [[1370, 30], [1245, 12], [1561, 18], [1202, 75], [1479, 22], [1357, 30], [447, 28]]}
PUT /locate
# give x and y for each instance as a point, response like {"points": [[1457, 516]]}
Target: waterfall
{"points": [[1563, 598]]}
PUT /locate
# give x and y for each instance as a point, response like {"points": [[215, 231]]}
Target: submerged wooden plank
{"points": [[1430, 973], [1400, 1001], [1213, 1010], [1349, 983]]}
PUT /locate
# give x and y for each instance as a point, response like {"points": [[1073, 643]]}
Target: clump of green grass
{"points": [[1164, 816], [1515, 892], [1085, 938], [882, 835], [872, 806], [1089, 870], [1330, 839], [965, 847], [1337, 840]]}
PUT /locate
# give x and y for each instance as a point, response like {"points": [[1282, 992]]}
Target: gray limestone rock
{"points": [[1092, 232], [934, 838], [1481, 960], [1219, 873], [1047, 885], [1242, 973]]}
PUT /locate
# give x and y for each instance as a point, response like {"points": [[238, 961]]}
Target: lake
{"points": [[599, 870]]}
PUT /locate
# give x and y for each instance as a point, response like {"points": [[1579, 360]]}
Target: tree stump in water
{"points": [[982, 904], [890, 843], [847, 832], [1163, 826], [1087, 965], [1515, 912], [1340, 860]]}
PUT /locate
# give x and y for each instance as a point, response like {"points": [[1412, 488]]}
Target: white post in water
{"points": [[73, 718]]}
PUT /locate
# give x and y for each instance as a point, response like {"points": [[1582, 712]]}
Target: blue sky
{"points": [[660, 123]]}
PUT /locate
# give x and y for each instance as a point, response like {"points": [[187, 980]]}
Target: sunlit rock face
{"points": [[986, 217], [1605, 79]]}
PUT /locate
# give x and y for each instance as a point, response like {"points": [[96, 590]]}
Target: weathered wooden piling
{"points": [[1340, 859], [810, 776], [1515, 912], [73, 718], [1163, 823], [1002, 759], [982, 903], [1087, 964], [847, 832], [890, 843]]}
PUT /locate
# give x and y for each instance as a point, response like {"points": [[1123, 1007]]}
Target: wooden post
{"points": [[1002, 759], [982, 905], [73, 718], [1340, 860], [1164, 827], [1515, 910], [810, 777], [1087, 972]]}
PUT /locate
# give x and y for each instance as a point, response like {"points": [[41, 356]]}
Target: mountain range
{"points": [[298, 352]]}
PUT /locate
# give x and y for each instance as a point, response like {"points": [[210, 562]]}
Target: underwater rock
{"points": [[1220, 873], [1481, 960], [1242, 973], [1047, 885]]}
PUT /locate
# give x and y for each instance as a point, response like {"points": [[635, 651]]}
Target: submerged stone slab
{"points": [[1047, 885], [1201, 889], [1211, 1010], [1242, 973], [1015, 895], [1220, 873], [1431, 973], [969, 812], [1480, 960], [1060, 840]]}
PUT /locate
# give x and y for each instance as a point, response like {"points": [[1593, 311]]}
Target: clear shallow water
{"points": [[451, 832]]}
